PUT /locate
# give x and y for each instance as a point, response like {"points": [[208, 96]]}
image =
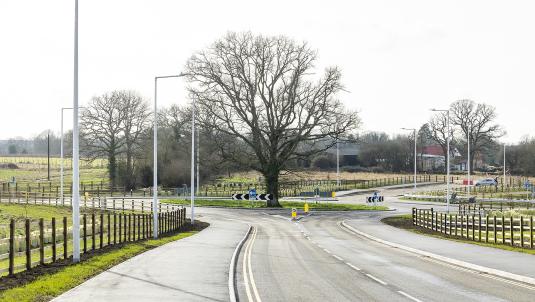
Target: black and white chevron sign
{"points": [[246, 196]]}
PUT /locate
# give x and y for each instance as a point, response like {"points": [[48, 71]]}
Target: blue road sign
{"points": [[252, 194]]}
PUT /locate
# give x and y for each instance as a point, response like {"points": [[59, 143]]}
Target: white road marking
{"points": [[409, 296], [480, 274], [248, 272], [352, 266], [327, 251], [377, 279], [337, 257]]}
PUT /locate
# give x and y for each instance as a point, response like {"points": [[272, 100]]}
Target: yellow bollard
{"points": [[294, 213], [333, 194], [306, 207]]}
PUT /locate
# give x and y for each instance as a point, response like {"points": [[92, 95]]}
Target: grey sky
{"points": [[399, 58]]}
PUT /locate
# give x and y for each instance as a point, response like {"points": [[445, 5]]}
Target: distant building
{"points": [[349, 153], [432, 158]]}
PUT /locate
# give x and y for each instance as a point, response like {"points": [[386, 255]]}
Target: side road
{"points": [[508, 261], [191, 269]]}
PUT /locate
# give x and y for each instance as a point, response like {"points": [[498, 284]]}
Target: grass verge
{"points": [[48, 281], [322, 206], [405, 222]]}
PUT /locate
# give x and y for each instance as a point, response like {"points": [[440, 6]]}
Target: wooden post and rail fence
{"points": [[512, 231], [32, 243]]}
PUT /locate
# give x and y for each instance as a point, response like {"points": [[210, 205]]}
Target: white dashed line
{"points": [[409, 296], [327, 251], [377, 279], [352, 266], [339, 258]]}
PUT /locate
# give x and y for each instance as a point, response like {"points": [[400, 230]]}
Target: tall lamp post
{"points": [[75, 151], [61, 156], [504, 164], [448, 156], [155, 151], [468, 166], [414, 131]]}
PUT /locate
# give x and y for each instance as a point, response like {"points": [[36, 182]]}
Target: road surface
{"points": [[314, 259]]}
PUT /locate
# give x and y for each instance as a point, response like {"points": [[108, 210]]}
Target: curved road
{"points": [[316, 259]]}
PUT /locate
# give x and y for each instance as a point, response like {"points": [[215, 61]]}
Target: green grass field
{"points": [[33, 169], [325, 206]]}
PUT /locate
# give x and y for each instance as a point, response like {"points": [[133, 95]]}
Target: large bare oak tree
{"points": [[262, 91]]}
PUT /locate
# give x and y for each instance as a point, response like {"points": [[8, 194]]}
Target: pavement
{"points": [[313, 259], [190, 269]]}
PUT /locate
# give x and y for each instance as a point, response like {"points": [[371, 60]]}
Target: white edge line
{"points": [[408, 296], [460, 263], [376, 279], [232, 272], [352, 266], [337, 257]]}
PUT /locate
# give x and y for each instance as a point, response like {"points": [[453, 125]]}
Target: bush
{"points": [[324, 162]]}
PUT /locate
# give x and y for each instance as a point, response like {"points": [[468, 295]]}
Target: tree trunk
{"points": [[272, 185], [112, 169]]}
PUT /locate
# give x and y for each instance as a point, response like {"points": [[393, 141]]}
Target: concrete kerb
{"points": [[232, 289], [463, 264]]}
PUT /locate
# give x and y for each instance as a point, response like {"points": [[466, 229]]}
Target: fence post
{"points": [[487, 228], [109, 229], [456, 222], [93, 231], [495, 230], [138, 227], [120, 231], [503, 229], [479, 228], [114, 228], [41, 241], [54, 239], [125, 228], [511, 230], [101, 230], [11, 246], [531, 231], [85, 232], [28, 243], [522, 231], [432, 220], [134, 227], [65, 239], [473, 227]]}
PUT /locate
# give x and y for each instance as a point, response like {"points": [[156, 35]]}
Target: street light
{"points": [[155, 150], [75, 202], [414, 131], [504, 164], [448, 156], [468, 162], [61, 155]]}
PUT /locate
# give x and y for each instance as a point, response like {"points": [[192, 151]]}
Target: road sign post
{"points": [[252, 196]]}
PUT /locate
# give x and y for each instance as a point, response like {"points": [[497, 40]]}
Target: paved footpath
{"points": [[191, 269], [512, 262]]}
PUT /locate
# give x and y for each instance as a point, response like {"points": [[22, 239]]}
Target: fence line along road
{"points": [[512, 231], [103, 230]]}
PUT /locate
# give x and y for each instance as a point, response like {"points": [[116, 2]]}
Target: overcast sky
{"points": [[398, 58]]}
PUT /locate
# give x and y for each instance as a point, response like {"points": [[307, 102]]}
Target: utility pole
{"points": [[48, 154], [75, 200]]}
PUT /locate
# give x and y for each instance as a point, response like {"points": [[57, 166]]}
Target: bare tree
{"points": [[476, 120], [112, 125], [260, 90], [134, 125], [438, 130], [101, 127]]}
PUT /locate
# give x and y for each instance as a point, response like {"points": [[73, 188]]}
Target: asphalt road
{"points": [[314, 259]]}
